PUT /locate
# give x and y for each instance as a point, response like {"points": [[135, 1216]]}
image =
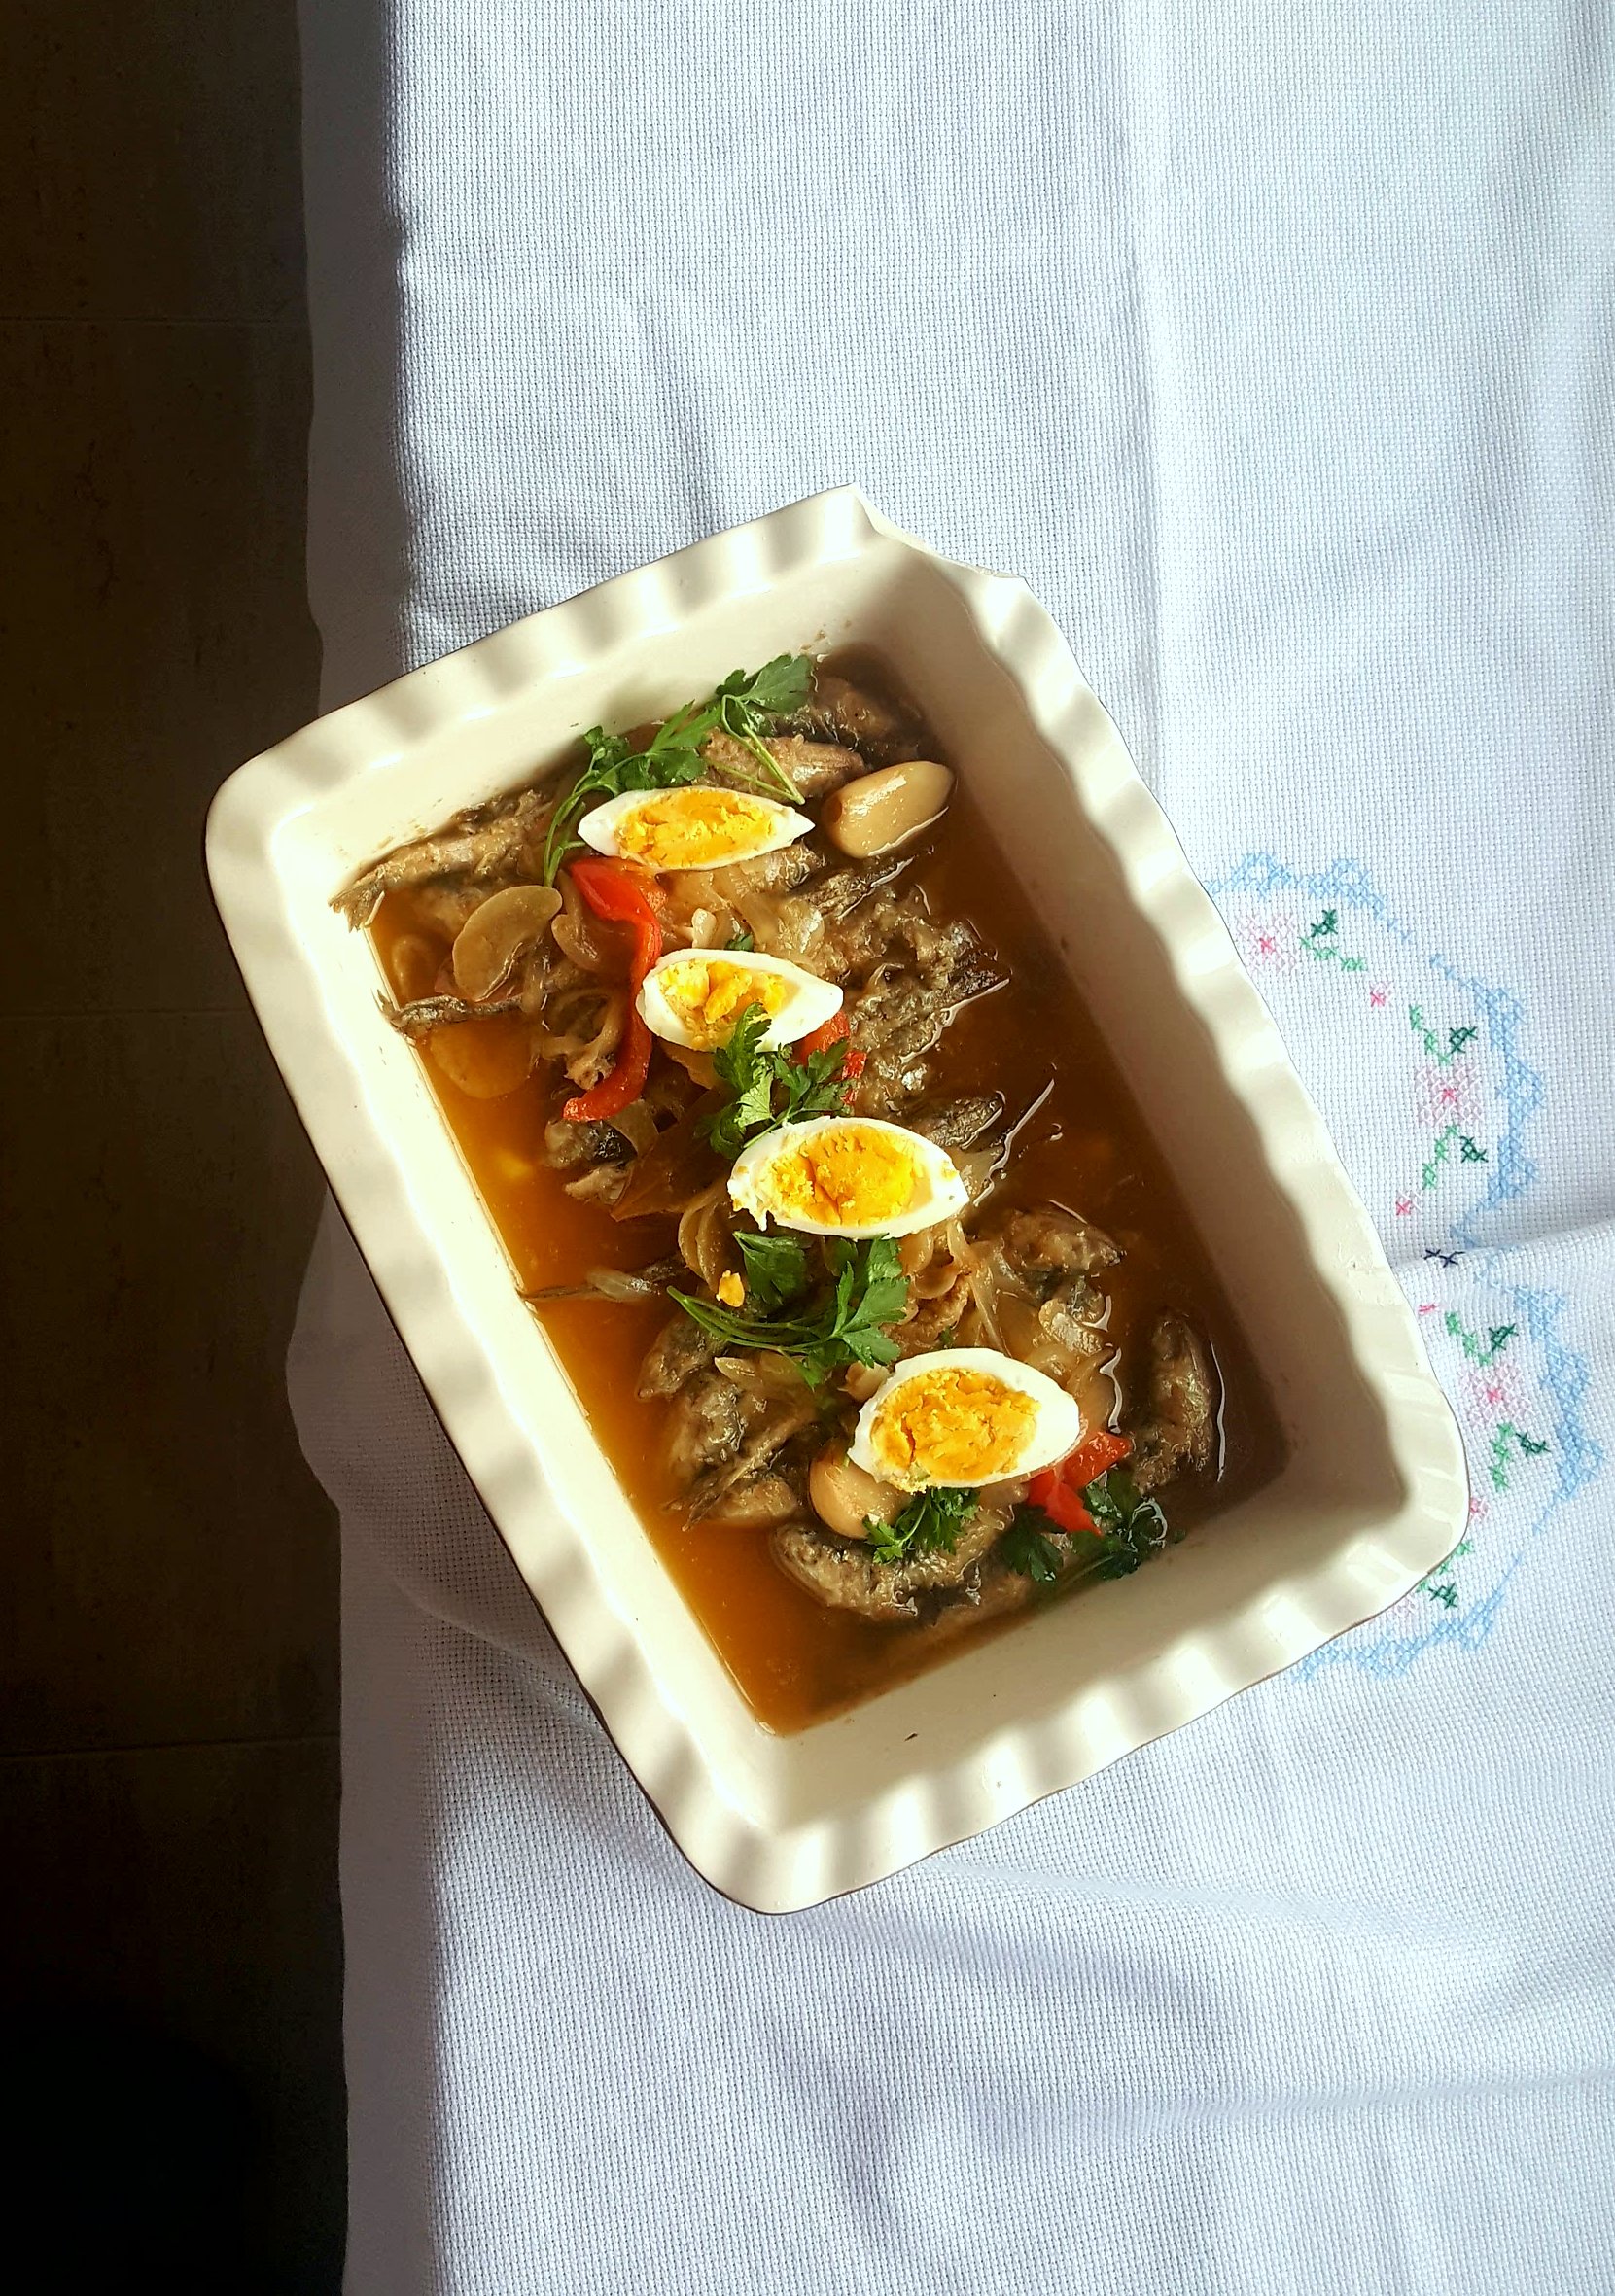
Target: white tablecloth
{"points": [[1273, 343]]}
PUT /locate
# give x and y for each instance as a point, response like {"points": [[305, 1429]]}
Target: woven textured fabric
{"points": [[1274, 345]]}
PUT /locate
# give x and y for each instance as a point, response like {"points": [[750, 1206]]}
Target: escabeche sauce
{"points": [[1080, 1145]]}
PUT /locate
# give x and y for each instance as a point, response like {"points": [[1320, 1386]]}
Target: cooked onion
{"points": [[583, 1028], [706, 1234], [588, 942], [678, 1171], [845, 1499], [497, 934], [768, 1374], [935, 1261], [667, 1094], [629, 1283], [637, 1126], [697, 1067], [603, 1183]]}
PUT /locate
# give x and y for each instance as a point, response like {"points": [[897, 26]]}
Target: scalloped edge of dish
{"points": [[779, 1866]]}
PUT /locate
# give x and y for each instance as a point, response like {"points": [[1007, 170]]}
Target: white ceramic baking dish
{"points": [[1373, 1495]]}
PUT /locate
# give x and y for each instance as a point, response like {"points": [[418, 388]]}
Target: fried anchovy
{"points": [[475, 844], [427, 1013], [616, 1284]]}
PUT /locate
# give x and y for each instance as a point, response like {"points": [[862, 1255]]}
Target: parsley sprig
{"points": [[768, 1085], [929, 1524], [1029, 1548], [776, 1268], [847, 1322], [746, 706], [1128, 1530], [749, 707]]}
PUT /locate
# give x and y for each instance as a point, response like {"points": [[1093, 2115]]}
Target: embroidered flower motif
{"points": [[1467, 1096], [1269, 941], [1448, 1095], [1495, 1391]]}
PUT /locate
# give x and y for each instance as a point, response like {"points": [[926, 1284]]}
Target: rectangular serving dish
{"points": [[1373, 1494]]}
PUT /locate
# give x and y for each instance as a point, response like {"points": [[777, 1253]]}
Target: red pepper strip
{"points": [[834, 1032], [621, 895], [1058, 1490], [620, 890], [621, 1085], [1059, 1501], [1095, 1455]]}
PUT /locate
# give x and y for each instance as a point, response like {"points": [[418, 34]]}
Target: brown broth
{"points": [[1082, 1145]]}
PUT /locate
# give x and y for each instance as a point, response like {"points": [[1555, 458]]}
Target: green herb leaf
{"points": [[769, 1085], [883, 1294], [738, 1062], [778, 689], [747, 708], [814, 1087], [1025, 1547], [1129, 1530], [745, 705], [929, 1523], [740, 940], [843, 1325], [776, 1268], [745, 1069]]}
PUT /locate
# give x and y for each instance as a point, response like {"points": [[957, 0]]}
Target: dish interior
{"points": [[1368, 1492], [1071, 1136]]}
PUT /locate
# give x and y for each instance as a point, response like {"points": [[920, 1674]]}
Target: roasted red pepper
{"points": [[622, 893], [835, 1031], [1059, 1501], [1059, 1490], [623, 896], [1095, 1455]]}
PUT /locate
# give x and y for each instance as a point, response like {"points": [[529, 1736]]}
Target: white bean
{"points": [[843, 1495], [881, 809]]}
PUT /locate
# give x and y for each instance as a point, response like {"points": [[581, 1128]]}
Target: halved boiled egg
{"points": [[690, 828], [963, 1417], [694, 996], [847, 1175]]}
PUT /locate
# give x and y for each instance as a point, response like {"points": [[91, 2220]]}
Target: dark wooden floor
{"points": [[168, 1774]]}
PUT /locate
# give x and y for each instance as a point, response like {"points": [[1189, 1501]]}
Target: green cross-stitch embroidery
{"points": [[1468, 1151], [1427, 1172], [1440, 1585], [1477, 1350], [1318, 940], [1529, 1446], [1430, 1039]]}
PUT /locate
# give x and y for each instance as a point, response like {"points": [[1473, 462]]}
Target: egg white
{"points": [[602, 827], [1057, 1431], [811, 1002], [945, 1193]]}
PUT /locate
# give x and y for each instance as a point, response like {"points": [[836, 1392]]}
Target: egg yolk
{"points": [[693, 829], [709, 999], [951, 1427], [846, 1178]]}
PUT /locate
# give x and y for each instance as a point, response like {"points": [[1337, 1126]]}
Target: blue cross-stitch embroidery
{"points": [[1498, 1345]]}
